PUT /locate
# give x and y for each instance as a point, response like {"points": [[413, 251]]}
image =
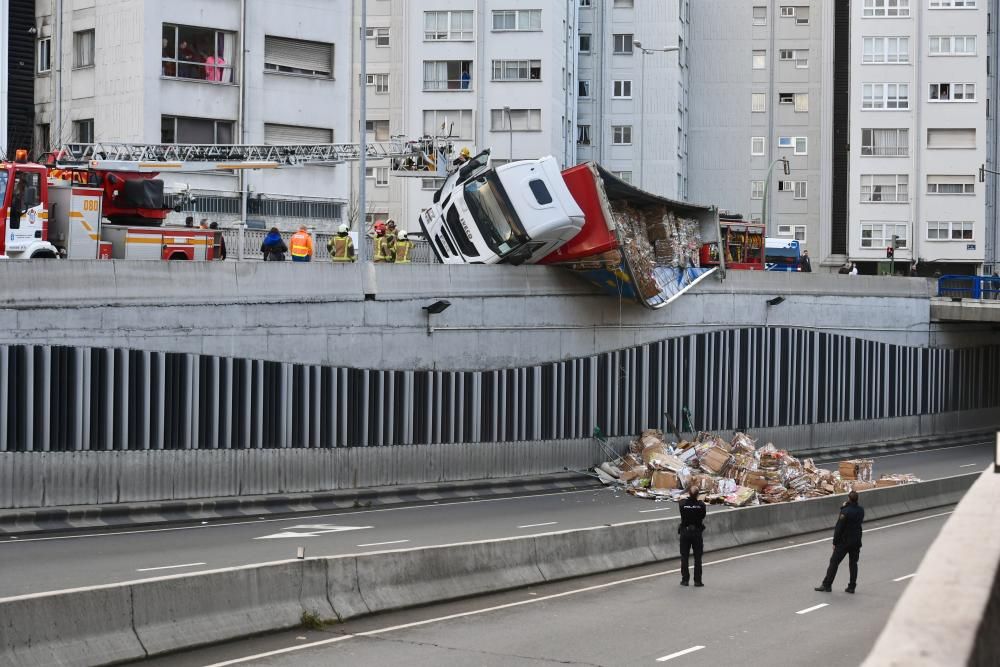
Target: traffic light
{"points": [[890, 252], [896, 243]]}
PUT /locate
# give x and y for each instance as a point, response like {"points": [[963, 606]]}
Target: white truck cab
{"points": [[515, 213]]}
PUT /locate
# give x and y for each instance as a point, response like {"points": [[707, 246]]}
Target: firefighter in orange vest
{"points": [[301, 245], [403, 248], [341, 247], [378, 242]]}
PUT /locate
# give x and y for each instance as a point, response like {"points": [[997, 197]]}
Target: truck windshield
{"points": [[3, 188], [493, 213]]}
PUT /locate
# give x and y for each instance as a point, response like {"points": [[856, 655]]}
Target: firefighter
{"points": [[341, 247], [378, 242], [403, 248], [301, 245], [391, 238], [463, 157]]}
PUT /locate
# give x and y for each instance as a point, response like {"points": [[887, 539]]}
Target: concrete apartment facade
{"points": [[761, 89], [918, 132], [137, 71]]}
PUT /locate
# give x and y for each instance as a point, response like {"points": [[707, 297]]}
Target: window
{"points": [[785, 98], [380, 174], [952, 92], [787, 11], [517, 19], [379, 129], [380, 35], [886, 8], [622, 43], [800, 145], [758, 102], [584, 42], [886, 50], [759, 59], [44, 138], [585, 3], [953, 45], [624, 175], [83, 48], [278, 134], [884, 188], [583, 89], [621, 135], [380, 82], [953, 4], [516, 120], [583, 135], [800, 189], [184, 130], [624, 3], [948, 137], [517, 70], [885, 96], [889, 142], [203, 54], [431, 183], [83, 130], [756, 189], [801, 102], [621, 89], [294, 56], [447, 74], [879, 234], [456, 123], [455, 26], [760, 15], [800, 14], [951, 185], [950, 231], [44, 59], [798, 232], [757, 146]]}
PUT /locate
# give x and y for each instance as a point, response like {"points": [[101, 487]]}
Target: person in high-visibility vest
{"points": [[341, 247], [301, 245], [391, 236], [378, 242], [403, 248]]}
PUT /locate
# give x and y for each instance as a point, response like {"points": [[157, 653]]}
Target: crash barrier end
{"points": [[150, 617]]}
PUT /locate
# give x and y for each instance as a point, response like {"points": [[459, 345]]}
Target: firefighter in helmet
{"points": [[403, 248], [341, 247], [378, 242], [463, 157]]}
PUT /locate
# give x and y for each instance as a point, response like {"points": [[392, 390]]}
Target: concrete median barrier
{"points": [[128, 621]]}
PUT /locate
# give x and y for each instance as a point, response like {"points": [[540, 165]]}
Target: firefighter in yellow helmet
{"points": [[341, 246], [463, 157], [403, 248]]}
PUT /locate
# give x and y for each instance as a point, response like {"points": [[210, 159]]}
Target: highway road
{"points": [[758, 608], [57, 562]]}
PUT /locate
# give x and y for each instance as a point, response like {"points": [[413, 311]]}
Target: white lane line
{"points": [[658, 509], [534, 600], [968, 465], [536, 525], [379, 544], [167, 567], [813, 608], [295, 518], [679, 653], [908, 576]]}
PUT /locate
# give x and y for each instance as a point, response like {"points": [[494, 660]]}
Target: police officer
{"points": [[692, 525], [846, 542]]}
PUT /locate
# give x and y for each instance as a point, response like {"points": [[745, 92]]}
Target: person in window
{"points": [[187, 54], [169, 66], [466, 79], [215, 67]]}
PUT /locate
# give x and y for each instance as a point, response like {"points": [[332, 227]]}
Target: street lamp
{"points": [[642, 102], [766, 213], [510, 133], [435, 308], [362, 136]]}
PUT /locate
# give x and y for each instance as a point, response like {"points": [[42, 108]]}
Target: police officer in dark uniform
{"points": [[846, 542], [692, 525]]}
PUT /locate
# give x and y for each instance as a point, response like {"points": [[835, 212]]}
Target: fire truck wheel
{"points": [[177, 256], [44, 254]]}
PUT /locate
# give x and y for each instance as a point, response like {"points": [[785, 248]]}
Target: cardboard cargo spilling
{"points": [[734, 473]]}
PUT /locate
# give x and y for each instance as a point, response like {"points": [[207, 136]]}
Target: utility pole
{"points": [[766, 212], [363, 126]]}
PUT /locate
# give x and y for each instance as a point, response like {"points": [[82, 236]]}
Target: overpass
{"points": [[967, 299]]}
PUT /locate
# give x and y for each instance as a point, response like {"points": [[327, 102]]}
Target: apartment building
{"points": [[632, 93], [487, 74], [17, 44], [226, 71], [761, 89]]}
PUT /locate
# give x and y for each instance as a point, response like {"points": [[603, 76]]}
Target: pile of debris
{"points": [[734, 473]]}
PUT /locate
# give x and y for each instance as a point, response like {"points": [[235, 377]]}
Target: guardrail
{"points": [[421, 252], [969, 287]]}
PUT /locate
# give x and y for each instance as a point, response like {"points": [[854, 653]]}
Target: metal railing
{"points": [[421, 253], [969, 287]]}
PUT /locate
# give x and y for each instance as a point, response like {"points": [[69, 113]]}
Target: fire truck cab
{"points": [[24, 213]]}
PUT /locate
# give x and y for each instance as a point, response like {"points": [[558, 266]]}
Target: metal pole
{"points": [[510, 135], [642, 119], [363, 125], [765, 213]]}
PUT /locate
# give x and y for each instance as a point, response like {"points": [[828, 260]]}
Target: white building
{"points": [[918, 132], [189, 71]]}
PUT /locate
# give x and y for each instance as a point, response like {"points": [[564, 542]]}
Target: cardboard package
{"points": [[715, 459], [664, 480]]}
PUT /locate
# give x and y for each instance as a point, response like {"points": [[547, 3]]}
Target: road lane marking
{"points": [[167, 567], [968, 465], [679, 653], [310, 531], [658, 509], [380, 544], [536, 525], [813, 608], [905, 577], [510, 605]]}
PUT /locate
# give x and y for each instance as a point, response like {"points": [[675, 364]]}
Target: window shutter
{"points": [[294, 134], [298, 54]]}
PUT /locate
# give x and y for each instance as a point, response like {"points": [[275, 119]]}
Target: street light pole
{"points": [[510, 134], [362, 139], [766, 213], [642, 104]]}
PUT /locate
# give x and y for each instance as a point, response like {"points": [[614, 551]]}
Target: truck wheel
{"points": [[44, 254], [177, 256]]}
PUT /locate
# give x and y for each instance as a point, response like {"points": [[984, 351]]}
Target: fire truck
{"points": [[104, 201]]}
